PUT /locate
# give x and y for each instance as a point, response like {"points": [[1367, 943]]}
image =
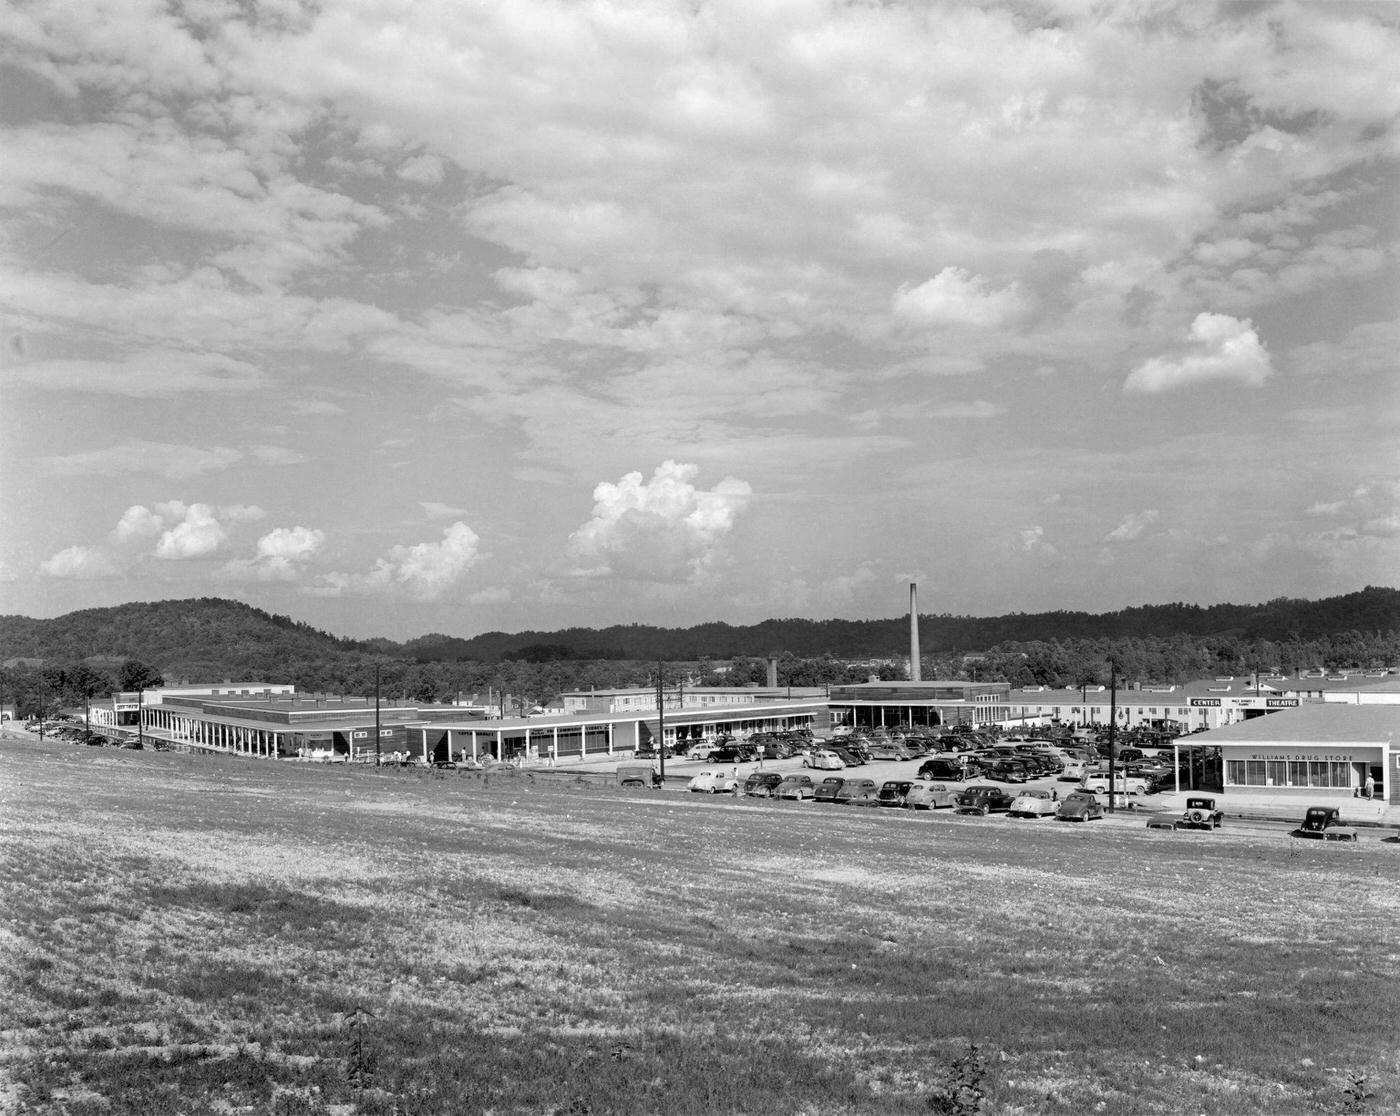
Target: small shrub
{"points": [[1356, 1094], [960, 1092]]}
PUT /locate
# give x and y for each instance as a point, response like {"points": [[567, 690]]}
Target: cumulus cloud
{"points": [[185, 530], [1220, 348], [423, 572], [1133, 526], [1370, 510], [956, 297], [282, 555], [426, 170], [1033, 541], [79, 563], [663, 529]]}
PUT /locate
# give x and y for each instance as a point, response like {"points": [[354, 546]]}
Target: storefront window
{"points": [[1288, 773]]}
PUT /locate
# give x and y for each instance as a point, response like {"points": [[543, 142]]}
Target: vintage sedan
{"points": [[1324, 823], [828, 788], [1122, 784], [857, 791], [796, 786], [1073, 771], [824, 759], [982, 799], [762, 784], [848, 754], [943, 767], [1034, 804], [894, 791], [1079, 806], [1008, 771], [930, 796], [889, 750], [703, 782], [1200, 813], [726, 782]]}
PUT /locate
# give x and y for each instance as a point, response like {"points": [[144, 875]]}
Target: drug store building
{"points": [[1316, 753]]}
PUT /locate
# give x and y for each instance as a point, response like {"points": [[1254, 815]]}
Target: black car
{"points": [[733, 753], [828, 788], [762, 784], [849, 756], [939, 768], [1008, 771], [983, 799], [892, 792]]}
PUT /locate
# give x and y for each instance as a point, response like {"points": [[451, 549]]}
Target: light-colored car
{"points": [[701, 751], [858, 791], [713, 780], [1034, 804], [1074, 771], [1121, 784], [930, 796], [823, 760]]}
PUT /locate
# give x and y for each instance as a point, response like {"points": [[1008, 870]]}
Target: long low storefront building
{"points": [[1315, 753]]}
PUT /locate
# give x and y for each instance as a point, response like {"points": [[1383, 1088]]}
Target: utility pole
{"points": [[1112, 729], [661, 716], [376, 714], [141, 718]]}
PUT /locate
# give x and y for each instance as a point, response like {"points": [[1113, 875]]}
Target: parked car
{"points": [[796, 786], [824, 759], [857, 791], [704, 782], [734, 752], [1073, 771], [1079, 806], [944, 767], [1122, 784], [894, 791], [702, 751], [828, 788], [762, 784], [930, 796], [889, 750], [1034, 804], [726, 782], [982, 799], [637, 775], [1324, 823], [1008, 771], [846, 755], [1200, 813]]}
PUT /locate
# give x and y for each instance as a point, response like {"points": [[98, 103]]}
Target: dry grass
{"points": [[202, 935]]}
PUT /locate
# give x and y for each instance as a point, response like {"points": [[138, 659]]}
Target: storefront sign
{"points": [[1211, 702], [1314, 757], [1281, 703]]}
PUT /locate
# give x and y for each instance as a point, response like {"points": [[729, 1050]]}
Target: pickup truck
{"points": [[1122, 784]]}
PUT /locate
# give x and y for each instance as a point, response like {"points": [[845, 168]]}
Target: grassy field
{"points": [[209, 935]]}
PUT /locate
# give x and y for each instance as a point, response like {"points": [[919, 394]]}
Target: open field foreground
{"points": [[197, 935]]}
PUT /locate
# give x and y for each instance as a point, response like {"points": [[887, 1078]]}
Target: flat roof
{"points": [[1331, 722]]}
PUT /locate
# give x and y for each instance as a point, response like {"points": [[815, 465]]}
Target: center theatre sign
{"points": [[1269, 703]]}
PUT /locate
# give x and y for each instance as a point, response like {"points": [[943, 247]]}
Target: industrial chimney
{"points": [[772, 672], [914, 672]]}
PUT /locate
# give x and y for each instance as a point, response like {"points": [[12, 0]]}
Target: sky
{"points": [[469, 315]]}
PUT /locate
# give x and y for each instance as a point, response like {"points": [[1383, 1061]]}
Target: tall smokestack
{"points": [[772, 672], [914, 671]]}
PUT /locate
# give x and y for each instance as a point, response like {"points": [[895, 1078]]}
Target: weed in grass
{"points": [[360, 1057], [1356, 1094], [960, 1091]]}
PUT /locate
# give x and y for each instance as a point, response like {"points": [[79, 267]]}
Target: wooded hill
{"points": [[210, 638]]}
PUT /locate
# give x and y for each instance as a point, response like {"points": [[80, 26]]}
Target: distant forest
{"points": [[96, 651]]}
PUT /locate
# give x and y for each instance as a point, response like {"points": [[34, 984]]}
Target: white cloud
{"points": [[149, 375], [138, 521], [1133, 526], [176, 462], [1033, 541], [427, 170], [1221, 348], [282, 555], [79, 563], [663, 529], [434, 510], [422, 572], [955, 297], [198, 535]]}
